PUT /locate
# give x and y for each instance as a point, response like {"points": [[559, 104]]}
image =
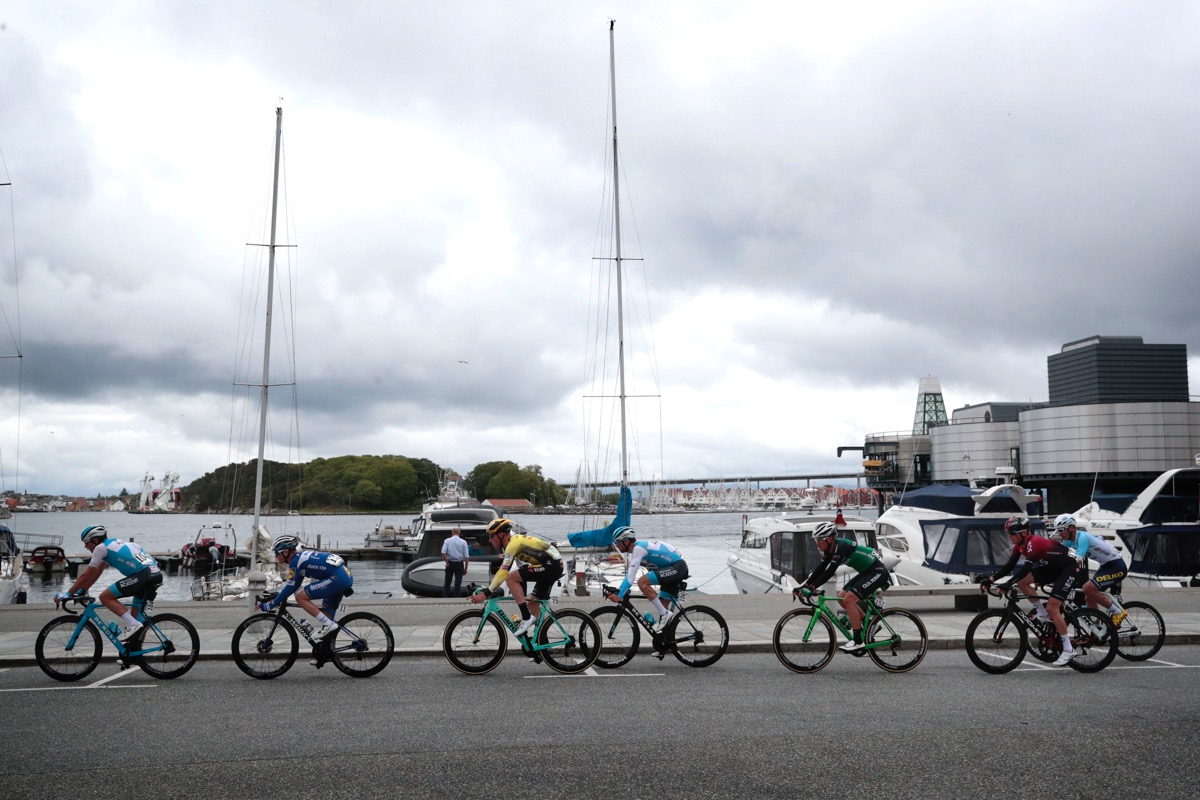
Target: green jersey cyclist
{"points": [[872, 576]]}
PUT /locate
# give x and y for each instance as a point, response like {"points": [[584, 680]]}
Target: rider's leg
{"points": [[647, 588], [1054, 609], [516, 587], [118, 609], [310, 608], [1029, 589], [853, 613], [1096, 598]]}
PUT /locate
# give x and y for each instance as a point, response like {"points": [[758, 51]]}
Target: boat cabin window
{"points": [[794, 553]]}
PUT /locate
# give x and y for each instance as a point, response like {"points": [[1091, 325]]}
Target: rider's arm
{"points": [[510, 555], [1007, 568], [92, 572], [635, 562], [830, 563], [289, 587]]}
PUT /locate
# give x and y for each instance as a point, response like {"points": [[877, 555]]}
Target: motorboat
{"points": [[1157, 531], [950, 533], [238, 582], [46, 559], [214, 548], [776, 553], [425, 576], [12, 576], [388, 535]]}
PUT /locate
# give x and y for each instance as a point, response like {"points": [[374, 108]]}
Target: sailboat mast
{"points": [[612, 79], [262, 404]]}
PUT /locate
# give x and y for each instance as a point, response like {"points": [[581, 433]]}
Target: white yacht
{"points": [[12, 574], [777, 553]]}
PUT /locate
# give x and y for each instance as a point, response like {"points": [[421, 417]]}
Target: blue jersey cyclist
{"points": [[872, 575], [329, 576], [140, 574], [1110, 573], [664, 566]]}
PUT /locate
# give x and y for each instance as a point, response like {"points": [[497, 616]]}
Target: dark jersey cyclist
{"points": [[1038, 560], [329, 576], [872, 575]]}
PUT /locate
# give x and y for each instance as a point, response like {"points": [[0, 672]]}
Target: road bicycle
{"points": [[697, 635], [476, 641], [68, 647], [1140, 633], [998, 639], [804, 638], [265, 645]]}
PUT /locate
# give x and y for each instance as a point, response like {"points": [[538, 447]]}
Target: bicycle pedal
{"points": [[659, 656]]}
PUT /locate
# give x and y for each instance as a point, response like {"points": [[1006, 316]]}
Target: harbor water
{"points": [[701, 537]]}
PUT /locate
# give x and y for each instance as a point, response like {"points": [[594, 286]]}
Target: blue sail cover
{"points": [[603, 537]]}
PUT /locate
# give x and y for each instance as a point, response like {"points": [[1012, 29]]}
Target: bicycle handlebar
{"points": [[79, 599]]}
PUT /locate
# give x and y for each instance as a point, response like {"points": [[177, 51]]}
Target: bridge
{"points": [[807, 477]]}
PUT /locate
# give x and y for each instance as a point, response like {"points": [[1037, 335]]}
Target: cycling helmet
{"points": [[625, 534], [285, 543], [499, 526], [1016, 525], [826, 530], [93, 533], [1063, 522]]}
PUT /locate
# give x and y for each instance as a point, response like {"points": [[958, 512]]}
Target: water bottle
{"points": [[114, 629], [843, 619], [516, 618], [306, 626], [649, 619]]}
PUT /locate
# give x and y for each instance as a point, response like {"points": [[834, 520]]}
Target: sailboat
{"points": [[12, 560], [240, 582], [592, 559]]}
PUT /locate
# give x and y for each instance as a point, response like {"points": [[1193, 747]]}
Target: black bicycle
{"points": [[998, 639], [697, 636], [266, 645]]}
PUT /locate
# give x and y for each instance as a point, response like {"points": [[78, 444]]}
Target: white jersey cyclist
{"points": [[655, 555], [1089, 545], [128, 557]]}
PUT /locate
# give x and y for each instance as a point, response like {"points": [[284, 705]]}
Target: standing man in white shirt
{"points": [[456, 554]]}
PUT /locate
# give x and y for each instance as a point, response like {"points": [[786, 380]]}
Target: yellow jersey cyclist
{"points": [[872, 575], [1112, 567], [140, 574], [536, 560]]}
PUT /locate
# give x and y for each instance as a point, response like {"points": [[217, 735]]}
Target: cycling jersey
{"points": [[859, 558], [1037, 553], [524, 549], [1090, 545], [327, 570], [128, 557], [655, 554]]}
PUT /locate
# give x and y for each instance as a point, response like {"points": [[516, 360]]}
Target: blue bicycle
{"points": [[68, 648]]}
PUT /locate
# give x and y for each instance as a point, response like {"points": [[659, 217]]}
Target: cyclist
{"points": [[666, 568], [539, 561], [140, 574], [1034, 560], [872, 576], [330, 576], [1112, 566]]}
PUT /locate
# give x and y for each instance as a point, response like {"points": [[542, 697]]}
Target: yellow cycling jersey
{"points": [[526, 550]]}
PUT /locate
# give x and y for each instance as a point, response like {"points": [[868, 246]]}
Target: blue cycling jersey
{"points": [[315, 565], [1089, 545], [654, 554], [127, 557]]}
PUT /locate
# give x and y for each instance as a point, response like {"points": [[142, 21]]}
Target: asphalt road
{"points": [[745, 727]]}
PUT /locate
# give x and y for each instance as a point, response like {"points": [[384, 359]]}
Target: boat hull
{"points": [[425, 577]]}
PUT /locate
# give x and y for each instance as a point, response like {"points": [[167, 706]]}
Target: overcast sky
{"points": [[831, 201]]}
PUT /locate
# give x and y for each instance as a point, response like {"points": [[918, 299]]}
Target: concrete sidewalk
{"points": [[417, 624]]}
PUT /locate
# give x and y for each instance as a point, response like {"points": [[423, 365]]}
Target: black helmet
{"points": [[1016, 526]]}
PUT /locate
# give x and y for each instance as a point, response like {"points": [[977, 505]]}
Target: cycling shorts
{"points": [[1110, 574], [139, 584], [1062, 578], [870, 580], [542, 576], [330, 590], [670, 577]]}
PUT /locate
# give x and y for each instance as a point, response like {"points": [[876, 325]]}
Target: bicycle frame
{"points": [[872, 613], [674, 603], [491, 608], [89, 613], [322, 648]]}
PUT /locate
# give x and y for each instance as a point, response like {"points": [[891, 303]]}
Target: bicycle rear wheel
{"points": [[995, 643], [474, 645], [174, 642], [63, 663], [581, 645], [619, 637], [803, 641], [1094, 639], [698, 636], [906, 640], [264, 646], [362, 646], [1142, 633]]}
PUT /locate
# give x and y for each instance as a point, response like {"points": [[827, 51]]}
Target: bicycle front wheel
{"points": [[995, 643], [1142, 633], [1094, 639], [698, 636], [803, 641], [173, 643], [61, 661], [363, 645], [474, 645], [577, 638], [619, 637], [897, 640], [264, 646]]}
